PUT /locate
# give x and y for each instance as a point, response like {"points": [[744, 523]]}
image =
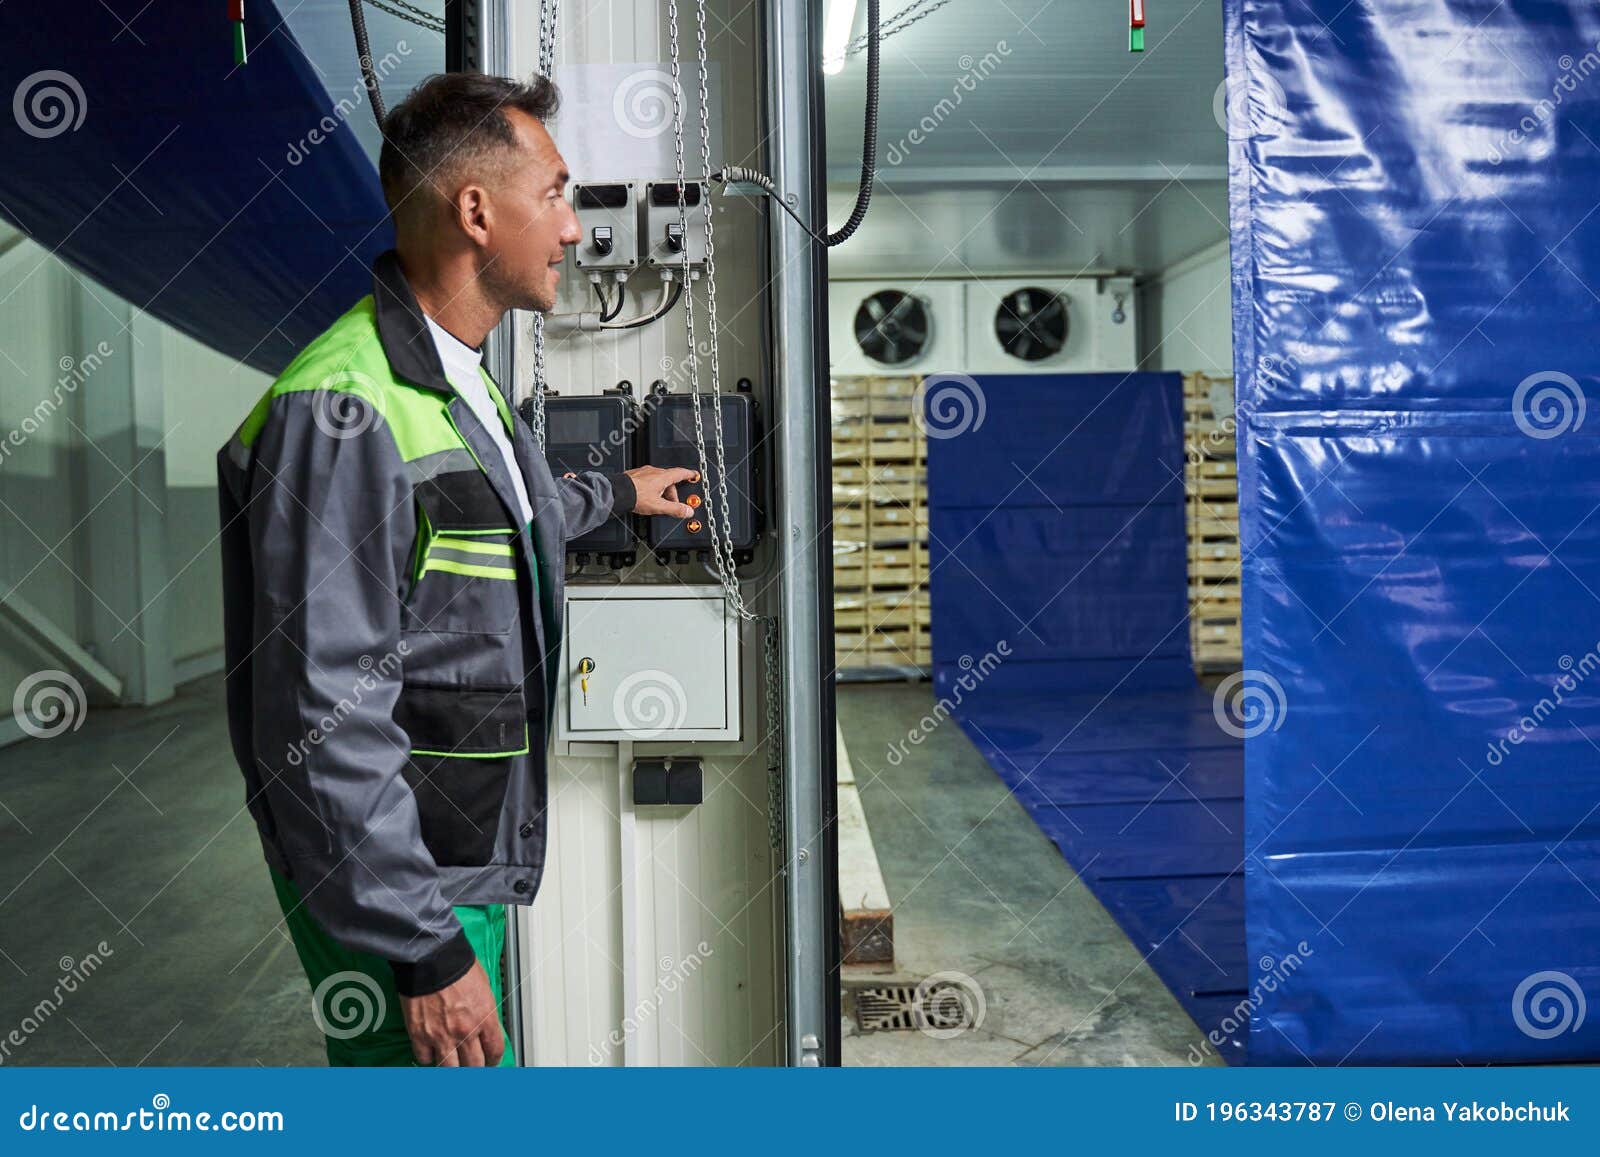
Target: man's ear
{"points": [[473, 213]]}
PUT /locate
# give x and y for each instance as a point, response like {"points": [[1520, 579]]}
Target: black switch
{"points": [[602, 240]]}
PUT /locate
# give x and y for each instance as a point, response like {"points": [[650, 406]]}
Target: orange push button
{"points": [[694, 526], [692, 500]]}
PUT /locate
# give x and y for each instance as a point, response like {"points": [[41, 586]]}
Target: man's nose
{"points": [[571, 231]]}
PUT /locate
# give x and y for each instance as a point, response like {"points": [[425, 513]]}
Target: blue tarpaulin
{"points": [[1057, 555], [1416, 263], [234, 202]]}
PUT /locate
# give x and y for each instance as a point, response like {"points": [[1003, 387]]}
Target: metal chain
{"points": [[548, 12], [774, 738], [687, 272], [411, 14], [720, 445], [716, 520], [899, 22]]}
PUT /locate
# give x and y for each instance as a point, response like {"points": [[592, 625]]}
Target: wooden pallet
{"points": [[880, 513], [1211, 486]]}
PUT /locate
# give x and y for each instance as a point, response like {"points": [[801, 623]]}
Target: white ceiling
{"points": [[1068, 153], [1103, 158]]}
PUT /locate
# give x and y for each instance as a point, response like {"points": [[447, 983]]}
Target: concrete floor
{"points": [[131, 832], [976, 888]]}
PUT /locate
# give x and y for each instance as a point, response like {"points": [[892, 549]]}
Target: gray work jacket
{"points": [[391, 633]]}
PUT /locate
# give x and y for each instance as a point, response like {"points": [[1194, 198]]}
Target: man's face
{"points": [[532, 222]]}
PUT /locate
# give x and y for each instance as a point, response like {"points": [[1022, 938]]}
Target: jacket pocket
{"points": [[463, 747], [462, 500], [466, 577]]}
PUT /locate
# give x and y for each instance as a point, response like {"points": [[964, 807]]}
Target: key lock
{"points": [[585, 669]]}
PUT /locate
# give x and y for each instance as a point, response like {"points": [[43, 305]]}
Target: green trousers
{"points": [[353, 994]]}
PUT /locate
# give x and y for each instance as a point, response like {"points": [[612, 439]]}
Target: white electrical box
{"points": [[661, 663], [665, 235], [610, 223]]}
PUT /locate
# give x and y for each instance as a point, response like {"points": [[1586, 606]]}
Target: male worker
{"points": [[393, 551]]}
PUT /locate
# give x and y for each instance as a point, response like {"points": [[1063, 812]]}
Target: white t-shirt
{"points": [[461, 364]]}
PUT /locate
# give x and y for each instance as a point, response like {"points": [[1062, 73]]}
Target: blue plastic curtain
{"points": [[1060, 642], [1416, 276], [233, 202]]}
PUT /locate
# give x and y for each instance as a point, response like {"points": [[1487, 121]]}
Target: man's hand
{"points": [[657, 487], [458, 1026]]}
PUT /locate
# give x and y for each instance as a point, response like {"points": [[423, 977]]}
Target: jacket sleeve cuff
{"points": [[624, 494], [439, 969]]}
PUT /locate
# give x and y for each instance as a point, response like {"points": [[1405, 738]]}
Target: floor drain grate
{"points": [[937, 1005], [889, 1007]]}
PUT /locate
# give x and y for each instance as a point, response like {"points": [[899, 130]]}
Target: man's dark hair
{"points": [[452, 121]]}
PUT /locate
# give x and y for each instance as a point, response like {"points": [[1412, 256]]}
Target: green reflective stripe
{"points": [[523, 750], [445, 554], [450, 542], [471, 570]]}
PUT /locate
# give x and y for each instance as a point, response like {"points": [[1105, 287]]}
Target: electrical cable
{"points": [[869, 136], [622, 296], [869, 153], [369, 78], [661, 311], [606, 312]]}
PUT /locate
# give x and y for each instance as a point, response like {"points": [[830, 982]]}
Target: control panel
{"points": [[670, 440], [595, 433]]}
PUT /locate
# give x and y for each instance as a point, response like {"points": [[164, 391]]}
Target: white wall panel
{"points": [[1188, 315], [701, 874], [41, 385]]}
